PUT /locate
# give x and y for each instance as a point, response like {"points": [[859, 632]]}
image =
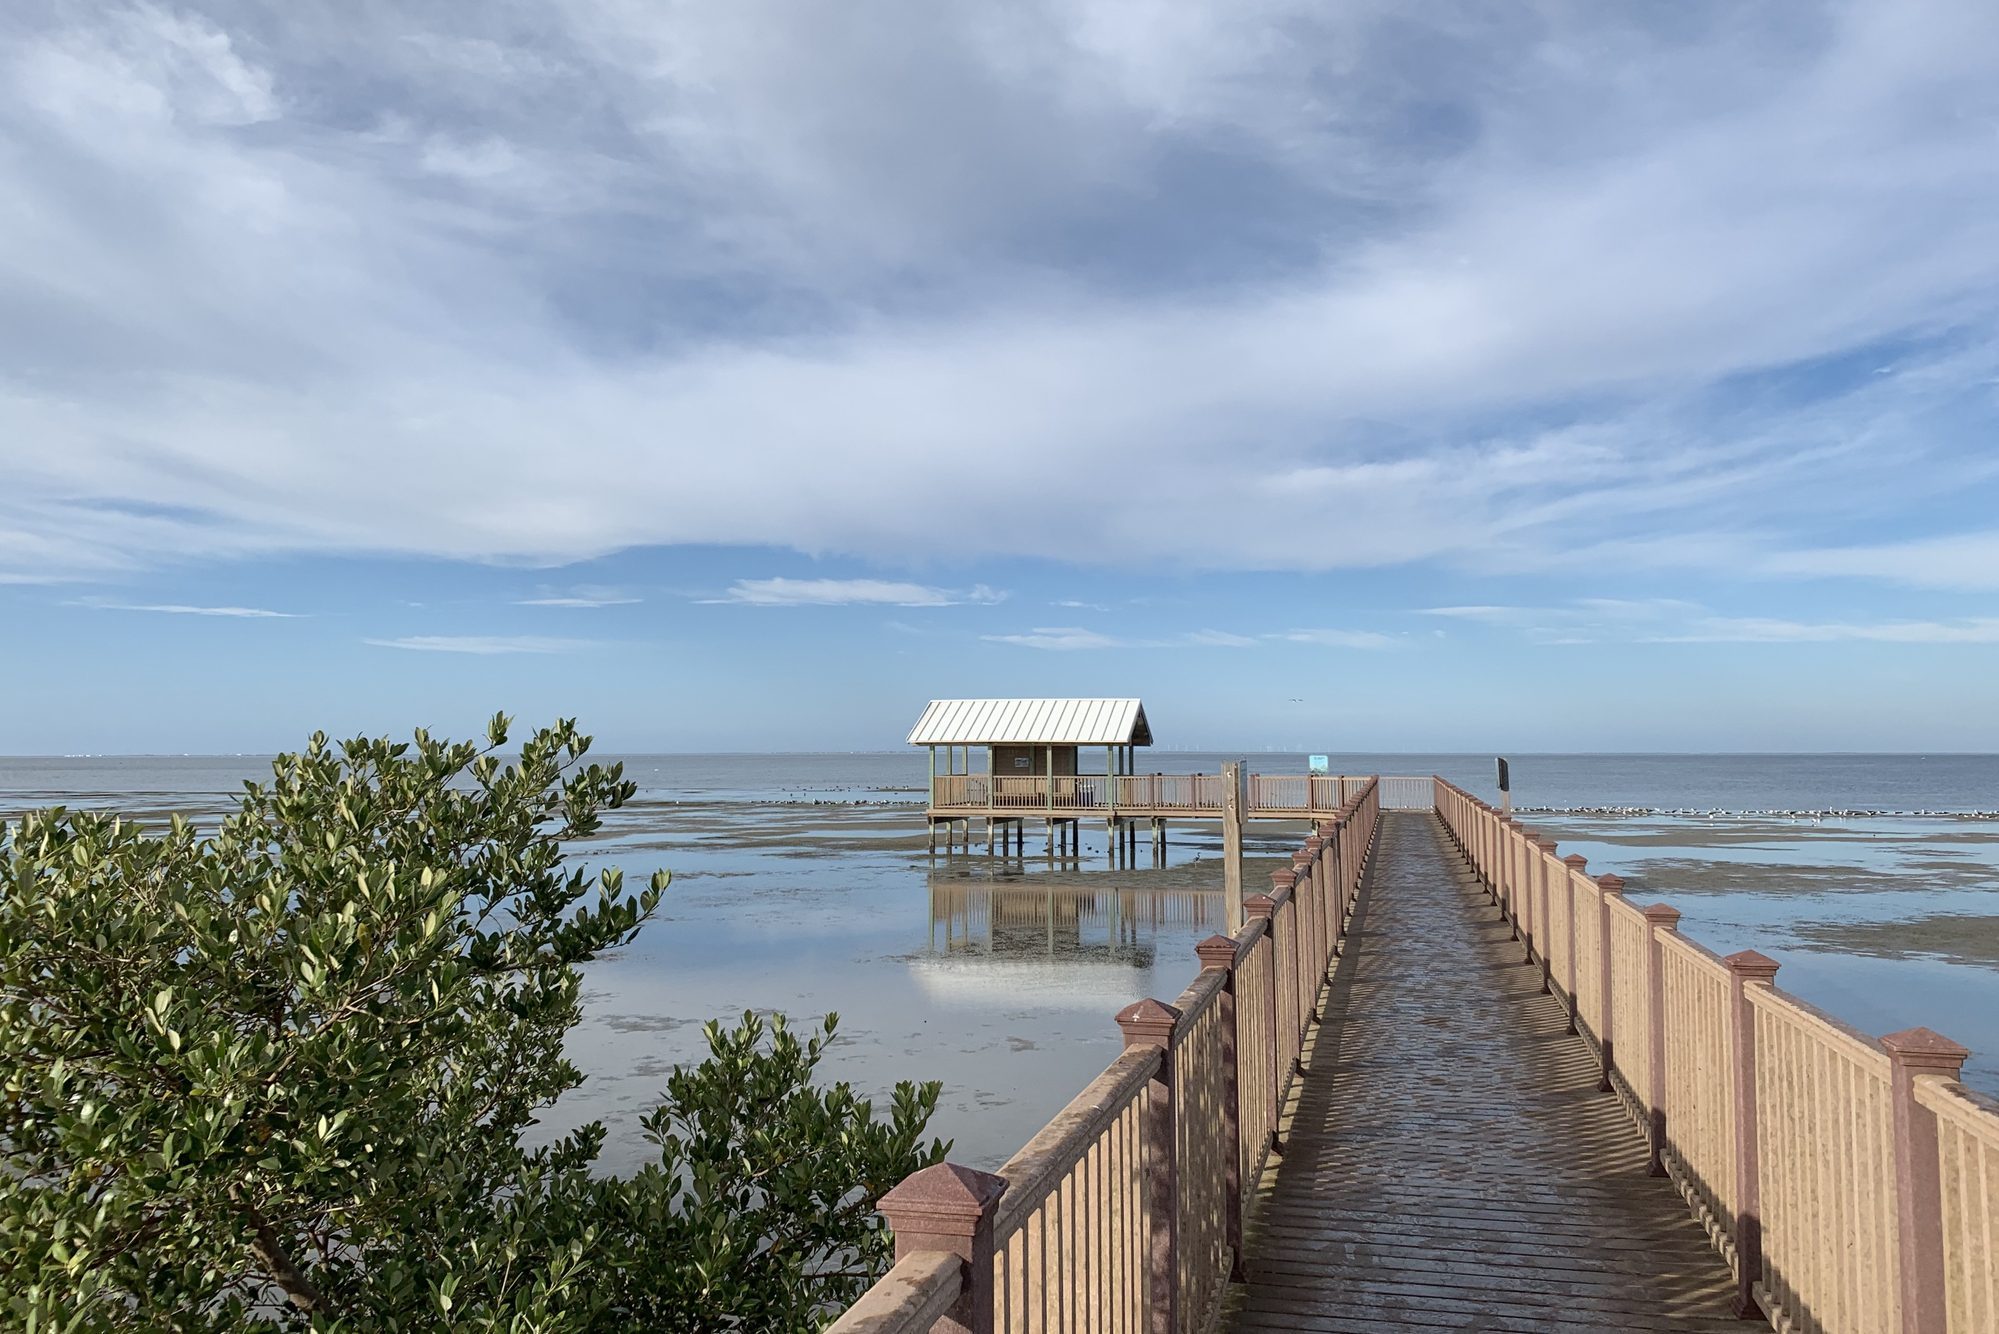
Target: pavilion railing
{"points": [[1150, 794], [1851, 1183], [1126, 1212]]}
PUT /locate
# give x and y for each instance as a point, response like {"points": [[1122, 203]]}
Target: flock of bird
{"points": [[1815, 817]]}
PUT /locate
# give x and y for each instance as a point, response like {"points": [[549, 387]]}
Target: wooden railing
{"points": [[1126, 1212], [1851, 1183], [1150, 794]]}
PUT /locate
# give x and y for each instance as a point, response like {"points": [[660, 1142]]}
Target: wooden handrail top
{"points": [[909, 1299], [1255, 929], [1047, 1158], [1862, 1047], [1199, 995], [1700, 954], [1976, 1113], [1617, 904]]}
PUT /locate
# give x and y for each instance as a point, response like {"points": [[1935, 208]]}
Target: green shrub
{"points": [[280, 1076]]}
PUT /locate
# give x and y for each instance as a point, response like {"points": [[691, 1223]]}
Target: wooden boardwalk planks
{"points": [[1448, 1163]]}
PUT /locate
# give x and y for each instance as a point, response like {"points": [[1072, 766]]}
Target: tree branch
{"points": [[298, 1288]]}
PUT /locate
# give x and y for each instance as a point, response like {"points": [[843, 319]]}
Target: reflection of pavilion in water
{"points": [[1064, 921]]}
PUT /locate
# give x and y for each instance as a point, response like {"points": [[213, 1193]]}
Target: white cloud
{"points": [[945, 286], [180, 609], [485, 645], [852, 592]]}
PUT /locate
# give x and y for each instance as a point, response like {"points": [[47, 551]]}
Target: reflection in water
{"points": [[1083, 924]]}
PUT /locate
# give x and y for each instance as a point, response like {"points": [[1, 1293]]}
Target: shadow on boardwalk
{"points": [[1448, 1161]]}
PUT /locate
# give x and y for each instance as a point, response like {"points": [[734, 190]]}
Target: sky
{"points": [[740, 376]]}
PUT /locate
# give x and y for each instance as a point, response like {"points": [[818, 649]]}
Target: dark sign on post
{"points": [[1505, 780]]}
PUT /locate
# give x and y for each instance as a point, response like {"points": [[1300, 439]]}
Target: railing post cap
{"points": [[1924, 1049], [1543, 842], [943, 1198], [1283, 879], [1148, 1023], [1575, 861], [1752, 965], [1217, 951], [1610, 883], [1258, 905], [1662, 914], [1313, 844]]}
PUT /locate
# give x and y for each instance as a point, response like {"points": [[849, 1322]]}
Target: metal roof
{"points": [[1038, 722]]}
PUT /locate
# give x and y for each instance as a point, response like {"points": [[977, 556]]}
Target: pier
{"points": [[1441, 1079]]}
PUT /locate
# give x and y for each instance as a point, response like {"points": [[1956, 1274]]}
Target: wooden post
{"points": [[950, 1208], [1611, 888], [1523, 911], [1264, 907], [1746, 968], [1150, 1023], [1220, 952], [1305, 901], [1232, 843], [1314, 871], [1914, 1053], [1543, 911], [1659, 917], [1575, 861]]}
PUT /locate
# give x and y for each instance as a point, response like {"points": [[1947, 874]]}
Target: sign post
{"points": [[1505, 789]]}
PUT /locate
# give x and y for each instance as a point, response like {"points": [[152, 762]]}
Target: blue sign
{"points": [[1318, 763]]}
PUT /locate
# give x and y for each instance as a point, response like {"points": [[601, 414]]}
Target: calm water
{"points": [[802, 884]]}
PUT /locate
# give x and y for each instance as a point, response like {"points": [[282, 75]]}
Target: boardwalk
{"points": [[1418, 1142], [1449, 1163]]}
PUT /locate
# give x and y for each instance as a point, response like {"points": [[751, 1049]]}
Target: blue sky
{"points": [[741, 376]]}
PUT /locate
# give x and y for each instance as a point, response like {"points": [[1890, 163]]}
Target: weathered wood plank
{"points": [[1448, 1163]]}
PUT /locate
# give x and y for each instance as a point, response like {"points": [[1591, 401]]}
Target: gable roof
{"points": [[1039, 722]]}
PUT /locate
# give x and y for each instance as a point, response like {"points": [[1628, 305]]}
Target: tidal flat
{"points": [[998, 974], [1889, 922], [803, 884]]}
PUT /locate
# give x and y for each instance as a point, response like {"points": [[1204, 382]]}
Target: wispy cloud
{"points": [[1967, 561], [1362, 639], [1677, 621], [1062, 638], [1478, 613], [1065, 638], [1069, 637], [485, 645], [1579, 620], [852, 592], [183, 609], [585, 595], [1768, 630]]}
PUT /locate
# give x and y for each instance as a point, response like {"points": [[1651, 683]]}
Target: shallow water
{"points": [[802, 884]]}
